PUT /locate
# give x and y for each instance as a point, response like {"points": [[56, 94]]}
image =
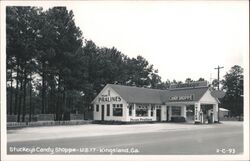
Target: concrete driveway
{"points": [[89, 130]]}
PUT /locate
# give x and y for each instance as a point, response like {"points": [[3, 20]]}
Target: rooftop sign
{"points": [[189, 85]]}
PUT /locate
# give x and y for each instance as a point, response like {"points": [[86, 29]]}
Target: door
{"points": [[190, 113], [158, 115], [102, 112], [167, 113]]}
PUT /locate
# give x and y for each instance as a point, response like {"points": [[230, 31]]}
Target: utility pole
{"points": [[218, 68]]}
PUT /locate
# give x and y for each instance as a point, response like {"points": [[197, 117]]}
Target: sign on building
{"points": [[181, 98], [189, 85]]}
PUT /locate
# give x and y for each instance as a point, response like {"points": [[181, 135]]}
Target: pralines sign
{"points": [[105, 98]]}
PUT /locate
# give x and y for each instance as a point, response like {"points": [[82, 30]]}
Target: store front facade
{"points": [[133, 104]]}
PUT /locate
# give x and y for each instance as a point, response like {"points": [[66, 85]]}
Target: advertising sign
{"points": [[105, 98], [141, 119], [189, 85], [196, 114], [181, 98]]}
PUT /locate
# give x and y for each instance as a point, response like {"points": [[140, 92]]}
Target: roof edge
{"points": [[92, 102]]}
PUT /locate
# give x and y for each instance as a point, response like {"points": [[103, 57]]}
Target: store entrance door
{"points": [[102, 112], [167, 113], [190, 113], [158, 114]]}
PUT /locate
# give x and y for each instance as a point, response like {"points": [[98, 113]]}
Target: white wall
{"points": [[163, 113], [215, 112], [184, 111], [169, 113], [207, 98], [97, 115]]}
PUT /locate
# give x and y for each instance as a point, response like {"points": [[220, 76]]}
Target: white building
{"points": [[192, 102], [223, 113]]}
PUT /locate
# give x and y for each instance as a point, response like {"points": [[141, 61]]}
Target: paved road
{"points": [[224, 140]]}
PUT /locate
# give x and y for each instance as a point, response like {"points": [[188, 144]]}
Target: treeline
{"points": [[233, 84], [51, 68]]}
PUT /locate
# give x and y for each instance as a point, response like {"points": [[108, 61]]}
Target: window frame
{"points": [[175, 109], [130, 110], [145, 110], [152, 112], [108, 110], [97, 108], [115, 113]]}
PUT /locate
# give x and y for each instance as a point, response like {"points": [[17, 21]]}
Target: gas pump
{"points": [[212, 117], [201, 117]]}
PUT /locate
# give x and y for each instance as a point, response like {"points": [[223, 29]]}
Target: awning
{"points": [[223, 109]]}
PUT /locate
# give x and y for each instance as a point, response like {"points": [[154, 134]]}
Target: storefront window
{"points": [[117, 111], [152, 111], [158, 106], [176, 110], [190, 111], [108, 109], [97, 108], [141, 112], [130, 109]]}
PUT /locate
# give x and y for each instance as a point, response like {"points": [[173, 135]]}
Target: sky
{"points": [[182, 39]]}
